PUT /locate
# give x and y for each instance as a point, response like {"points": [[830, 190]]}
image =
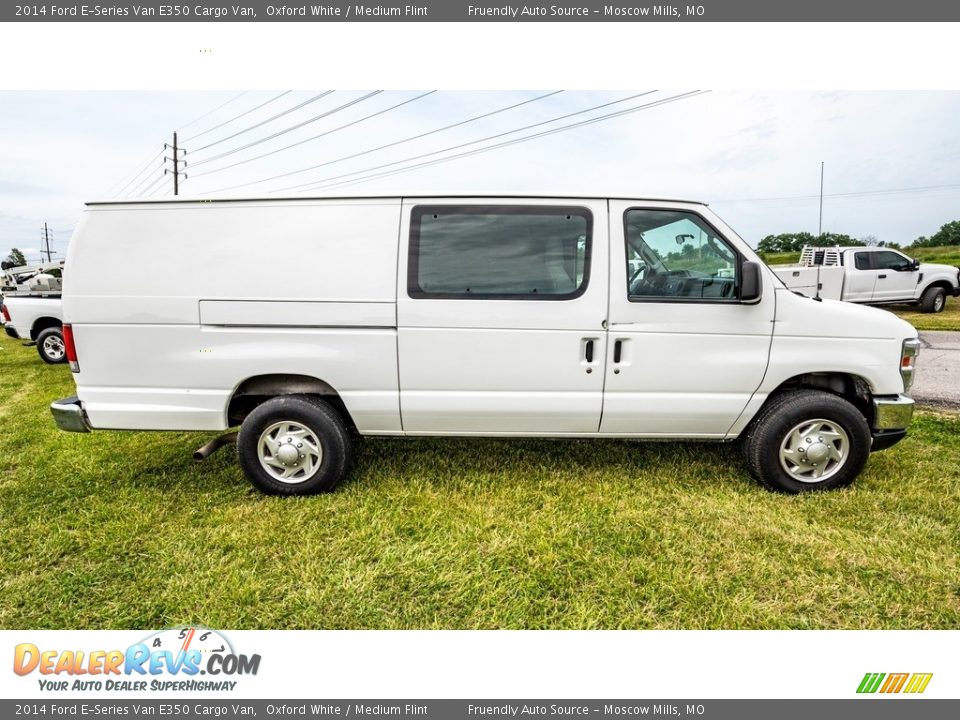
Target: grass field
{"points": [[124, 530], [949, 319]]}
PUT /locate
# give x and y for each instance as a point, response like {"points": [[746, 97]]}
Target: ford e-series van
{"points": [[307, 321]]}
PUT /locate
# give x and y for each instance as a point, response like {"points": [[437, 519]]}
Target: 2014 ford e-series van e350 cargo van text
{"points": [[307, 321]]}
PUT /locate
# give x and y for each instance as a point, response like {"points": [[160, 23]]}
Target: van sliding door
{"points": [[500, 311]]}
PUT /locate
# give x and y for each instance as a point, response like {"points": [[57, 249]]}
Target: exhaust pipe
{"points": [[211, 447]]}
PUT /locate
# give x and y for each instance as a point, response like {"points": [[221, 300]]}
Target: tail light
{"points": [[908, 361], [6, 314], [71, 348]]}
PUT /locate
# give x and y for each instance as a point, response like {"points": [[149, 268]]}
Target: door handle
{"points": [[588, 351], [882, 277], [617, 351]]}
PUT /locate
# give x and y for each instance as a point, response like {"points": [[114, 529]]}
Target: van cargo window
{"points": [[677, 255], [502, 252]]}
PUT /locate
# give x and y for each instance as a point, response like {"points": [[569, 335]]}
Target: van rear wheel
{"points": [[50, 346], [294, 445], [807, 440]]}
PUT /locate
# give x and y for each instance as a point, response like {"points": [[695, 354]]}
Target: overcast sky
{"points": [[742, 152]]}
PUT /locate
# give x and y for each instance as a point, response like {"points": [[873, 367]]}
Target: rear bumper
{"points": [[891, 417], [11, 331], [69, 415]]}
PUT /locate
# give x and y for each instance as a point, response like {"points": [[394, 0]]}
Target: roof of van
{"points": [[256, 198]]}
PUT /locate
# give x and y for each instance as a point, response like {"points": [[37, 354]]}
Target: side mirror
{"points": [[915, 265], [751, 283]]}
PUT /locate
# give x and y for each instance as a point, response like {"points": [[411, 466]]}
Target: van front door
{"points": [[685, 353], [500, 316]]}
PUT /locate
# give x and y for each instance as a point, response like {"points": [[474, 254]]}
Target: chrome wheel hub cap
{"points": [[814, 450], [289, 452], [53, 346]]}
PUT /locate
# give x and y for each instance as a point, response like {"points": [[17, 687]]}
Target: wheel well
{"points": [[852, 388], [938, 284], [256, 390], [41, 324]]}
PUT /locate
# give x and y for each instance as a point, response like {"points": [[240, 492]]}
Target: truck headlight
{"points": [[908, 361]]}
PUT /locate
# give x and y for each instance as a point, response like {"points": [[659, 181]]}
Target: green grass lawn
{"points": [[124, 530], [949, 319]]}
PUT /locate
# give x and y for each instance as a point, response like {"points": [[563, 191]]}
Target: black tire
{"points": [[934, 300], [323, 425], [772, 427], [50, 346]]}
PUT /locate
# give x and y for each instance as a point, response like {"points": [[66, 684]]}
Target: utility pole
{"points": [[176, 164], [819, 227], [176, 171], [46, 240]]}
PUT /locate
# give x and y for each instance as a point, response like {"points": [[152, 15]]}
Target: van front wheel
{"points": [[294, 445], [807, 440]]}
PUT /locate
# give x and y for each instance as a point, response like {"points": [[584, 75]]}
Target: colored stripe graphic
{"points": [[918, 683], [894, 682], [870, 682]]}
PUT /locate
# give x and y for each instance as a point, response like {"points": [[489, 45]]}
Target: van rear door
{"points": [[501, 305]]}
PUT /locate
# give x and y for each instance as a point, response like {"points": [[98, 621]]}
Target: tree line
{"points": [[948, 234]]}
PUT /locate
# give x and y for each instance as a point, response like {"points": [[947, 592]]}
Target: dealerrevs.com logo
{"points": [[910, 683], [173, 659]]}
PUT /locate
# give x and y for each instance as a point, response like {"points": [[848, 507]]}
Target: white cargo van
{"points": [[305, 321]]}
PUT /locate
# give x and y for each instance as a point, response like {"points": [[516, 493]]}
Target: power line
{"points": [[146, 192], [264, 122], [139, 188], [211, 112], [310, 139], [289, 129], [383, 147], [466, 144], [862, 193], [534, 136], [237, 117], [138, 174]]}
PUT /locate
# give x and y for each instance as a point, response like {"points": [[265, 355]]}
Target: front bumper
{"points": [[11, 331], [69, 415], [891, 417]]}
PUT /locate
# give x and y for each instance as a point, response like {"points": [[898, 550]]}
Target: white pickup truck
{"points": [[32, 309], [37, 318], [873, 275], [306, 321]]}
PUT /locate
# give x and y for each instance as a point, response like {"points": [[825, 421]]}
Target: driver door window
{"points": [[676, 256]]}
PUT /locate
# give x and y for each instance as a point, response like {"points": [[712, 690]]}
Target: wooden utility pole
{"points": [[46, 240], [176, 167]]}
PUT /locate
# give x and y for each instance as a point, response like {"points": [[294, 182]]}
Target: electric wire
{"points": [[237, 117], [313, 183], [534, 136], [380, 147], [861, 193], [306, 102], [289, 129], [310, 139], [135, 177], [211, 112]]}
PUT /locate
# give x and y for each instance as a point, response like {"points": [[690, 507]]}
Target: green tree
{"points": [[795, 242], [948, 234], [16, 258]]}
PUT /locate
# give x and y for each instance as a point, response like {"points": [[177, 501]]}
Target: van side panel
{"points": [[174, 305]]}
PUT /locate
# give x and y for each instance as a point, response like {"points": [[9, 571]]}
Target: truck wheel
{"points": [[807, 440], [294, 445], [50, 346], [934, 300]]}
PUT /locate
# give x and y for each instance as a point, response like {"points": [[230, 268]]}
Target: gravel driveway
{"points": [[937, 381]]}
